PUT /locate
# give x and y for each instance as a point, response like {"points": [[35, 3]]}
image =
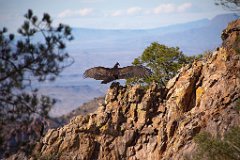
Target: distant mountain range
{"points": [[192, 38]]}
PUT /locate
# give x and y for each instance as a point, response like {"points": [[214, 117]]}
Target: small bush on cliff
{"points": [[236, 45], [210, 148], [238, 105], [164, 62]]}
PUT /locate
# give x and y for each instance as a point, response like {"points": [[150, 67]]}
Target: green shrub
{"points": [[163, 61], [211, 148], [238, 105]]}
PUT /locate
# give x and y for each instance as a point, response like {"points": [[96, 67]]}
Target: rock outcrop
{"points": [[134, 123]]}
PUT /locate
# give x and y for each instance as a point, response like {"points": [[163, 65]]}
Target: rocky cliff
{"points": [[134, 123]]}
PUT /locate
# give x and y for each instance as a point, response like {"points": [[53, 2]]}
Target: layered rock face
{"points": [[134, 123]]}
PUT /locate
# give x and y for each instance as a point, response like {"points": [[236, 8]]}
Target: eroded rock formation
{"points": [[134, 123]]}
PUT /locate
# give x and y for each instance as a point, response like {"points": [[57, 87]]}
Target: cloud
{"points": [[74, 13], [126, 12], [117, 13], [134, 10], [184, 7], [171, 8], [164, 8], [161, 9]]}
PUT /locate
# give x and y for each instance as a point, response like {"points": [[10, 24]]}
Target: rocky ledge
{"points": [[134, 123]]}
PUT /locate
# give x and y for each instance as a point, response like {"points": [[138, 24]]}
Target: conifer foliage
{"points": [[163, 61], [233, 5], [36, 53]]}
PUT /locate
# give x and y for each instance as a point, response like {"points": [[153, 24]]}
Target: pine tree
{"points": [[38, 52], [163, 61]]}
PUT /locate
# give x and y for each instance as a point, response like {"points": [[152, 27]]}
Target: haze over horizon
{"points": [[106, 14]]}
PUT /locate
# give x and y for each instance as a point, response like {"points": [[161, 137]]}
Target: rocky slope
{"points": [[134, 123], [19, 138], [84, 109]]}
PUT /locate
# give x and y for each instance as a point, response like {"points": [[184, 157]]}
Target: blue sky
{"points": [[114, 14]]}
